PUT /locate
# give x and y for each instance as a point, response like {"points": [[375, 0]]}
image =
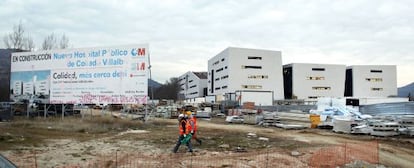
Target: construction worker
{"points": [[184, 129], [193, 122]]}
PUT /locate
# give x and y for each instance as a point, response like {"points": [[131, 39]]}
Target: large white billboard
{"points": [[108, 75]]}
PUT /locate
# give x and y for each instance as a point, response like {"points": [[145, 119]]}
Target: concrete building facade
{"points": [[311, 81], [192, 85], [371, 81], [237, 70]]}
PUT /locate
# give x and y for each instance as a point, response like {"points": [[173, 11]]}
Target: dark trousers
{"points": [[177, 145], [195, 138]]}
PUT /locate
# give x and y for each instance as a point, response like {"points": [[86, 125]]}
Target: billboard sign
{"points": [[109, 75]]}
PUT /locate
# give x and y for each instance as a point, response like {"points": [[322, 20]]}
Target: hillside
{"points": [[153, 83], [406, 90]]}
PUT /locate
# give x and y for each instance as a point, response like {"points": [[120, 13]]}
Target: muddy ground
{"points": [[104, 141]]}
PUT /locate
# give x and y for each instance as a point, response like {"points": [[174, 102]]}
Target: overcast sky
{"points": [[184, 34]]}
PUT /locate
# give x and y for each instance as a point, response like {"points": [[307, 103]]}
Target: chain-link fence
{"points": [[331, 156]]}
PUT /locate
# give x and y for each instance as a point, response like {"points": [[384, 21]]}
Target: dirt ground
{"points": [[104, 141]]}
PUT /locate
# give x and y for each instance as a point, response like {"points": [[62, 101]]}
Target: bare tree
{"points": [[29, 43], [49, 42], [64, 42], [15, 40]]}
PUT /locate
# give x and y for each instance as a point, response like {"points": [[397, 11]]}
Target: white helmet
{"points": [[180, 116]]}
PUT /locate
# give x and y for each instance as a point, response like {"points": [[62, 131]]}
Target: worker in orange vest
{"points": [[184, 129], [193, 122]]}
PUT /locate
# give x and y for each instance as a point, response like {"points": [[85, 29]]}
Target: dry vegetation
{"points": [[77, 140]]}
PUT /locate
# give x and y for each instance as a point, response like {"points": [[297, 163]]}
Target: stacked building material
{"points": [[248, 105], [270, 119]]}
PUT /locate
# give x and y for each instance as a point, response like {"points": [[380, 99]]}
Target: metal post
{"points": [[27, 109], [44, 111], [35, 159], [151, 88], [63, 111]]}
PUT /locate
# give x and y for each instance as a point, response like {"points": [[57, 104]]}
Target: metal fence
{"points": [[331, 156], [404, 108]]}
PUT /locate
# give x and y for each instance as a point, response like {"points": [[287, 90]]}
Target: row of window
{"points": [[377, 89], [193, 93], [249, 77], [318, 69], [248, 57], [193, 86], [217, 62], [321, 88], [315, 78], [313, 97], [376, 71], [373, 79], [251, 86], [258, 76], [251, 67], [218, 88], [254, 57]]}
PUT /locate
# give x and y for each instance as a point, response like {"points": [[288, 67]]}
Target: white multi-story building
{"points": [[310, 81], [193, 85], [371, 81], [246, 75], [18, 87], [42, 87], [28, 88]]}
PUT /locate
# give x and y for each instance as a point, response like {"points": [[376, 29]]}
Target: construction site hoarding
{"points": [[107, 75]]}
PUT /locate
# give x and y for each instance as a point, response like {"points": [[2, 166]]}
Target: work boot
{"points": [[199, 141]]}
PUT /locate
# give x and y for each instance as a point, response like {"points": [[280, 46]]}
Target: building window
{"points": [[225, 76], [222, 59], [217, 79], [258, 76], [253, 57], [321, 88], [377, 89], [251, 86], [312, 97], [373, 79], [225, 67], [224, 87], [218, 70], [193, 86], [251, 67], [190, 81], [217, 88], [376, 71], [215, 63], [315, 78], [318, 69]]}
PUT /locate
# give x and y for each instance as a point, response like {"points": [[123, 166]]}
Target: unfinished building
{"points": [[311, 81], [192, 85], [242, 74], [371, 81]]}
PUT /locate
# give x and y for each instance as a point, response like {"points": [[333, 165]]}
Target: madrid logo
{"points": [[138, 52]]}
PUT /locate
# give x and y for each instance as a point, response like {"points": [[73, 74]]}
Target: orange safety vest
{"points": [[194, 120], [184, 127]]}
